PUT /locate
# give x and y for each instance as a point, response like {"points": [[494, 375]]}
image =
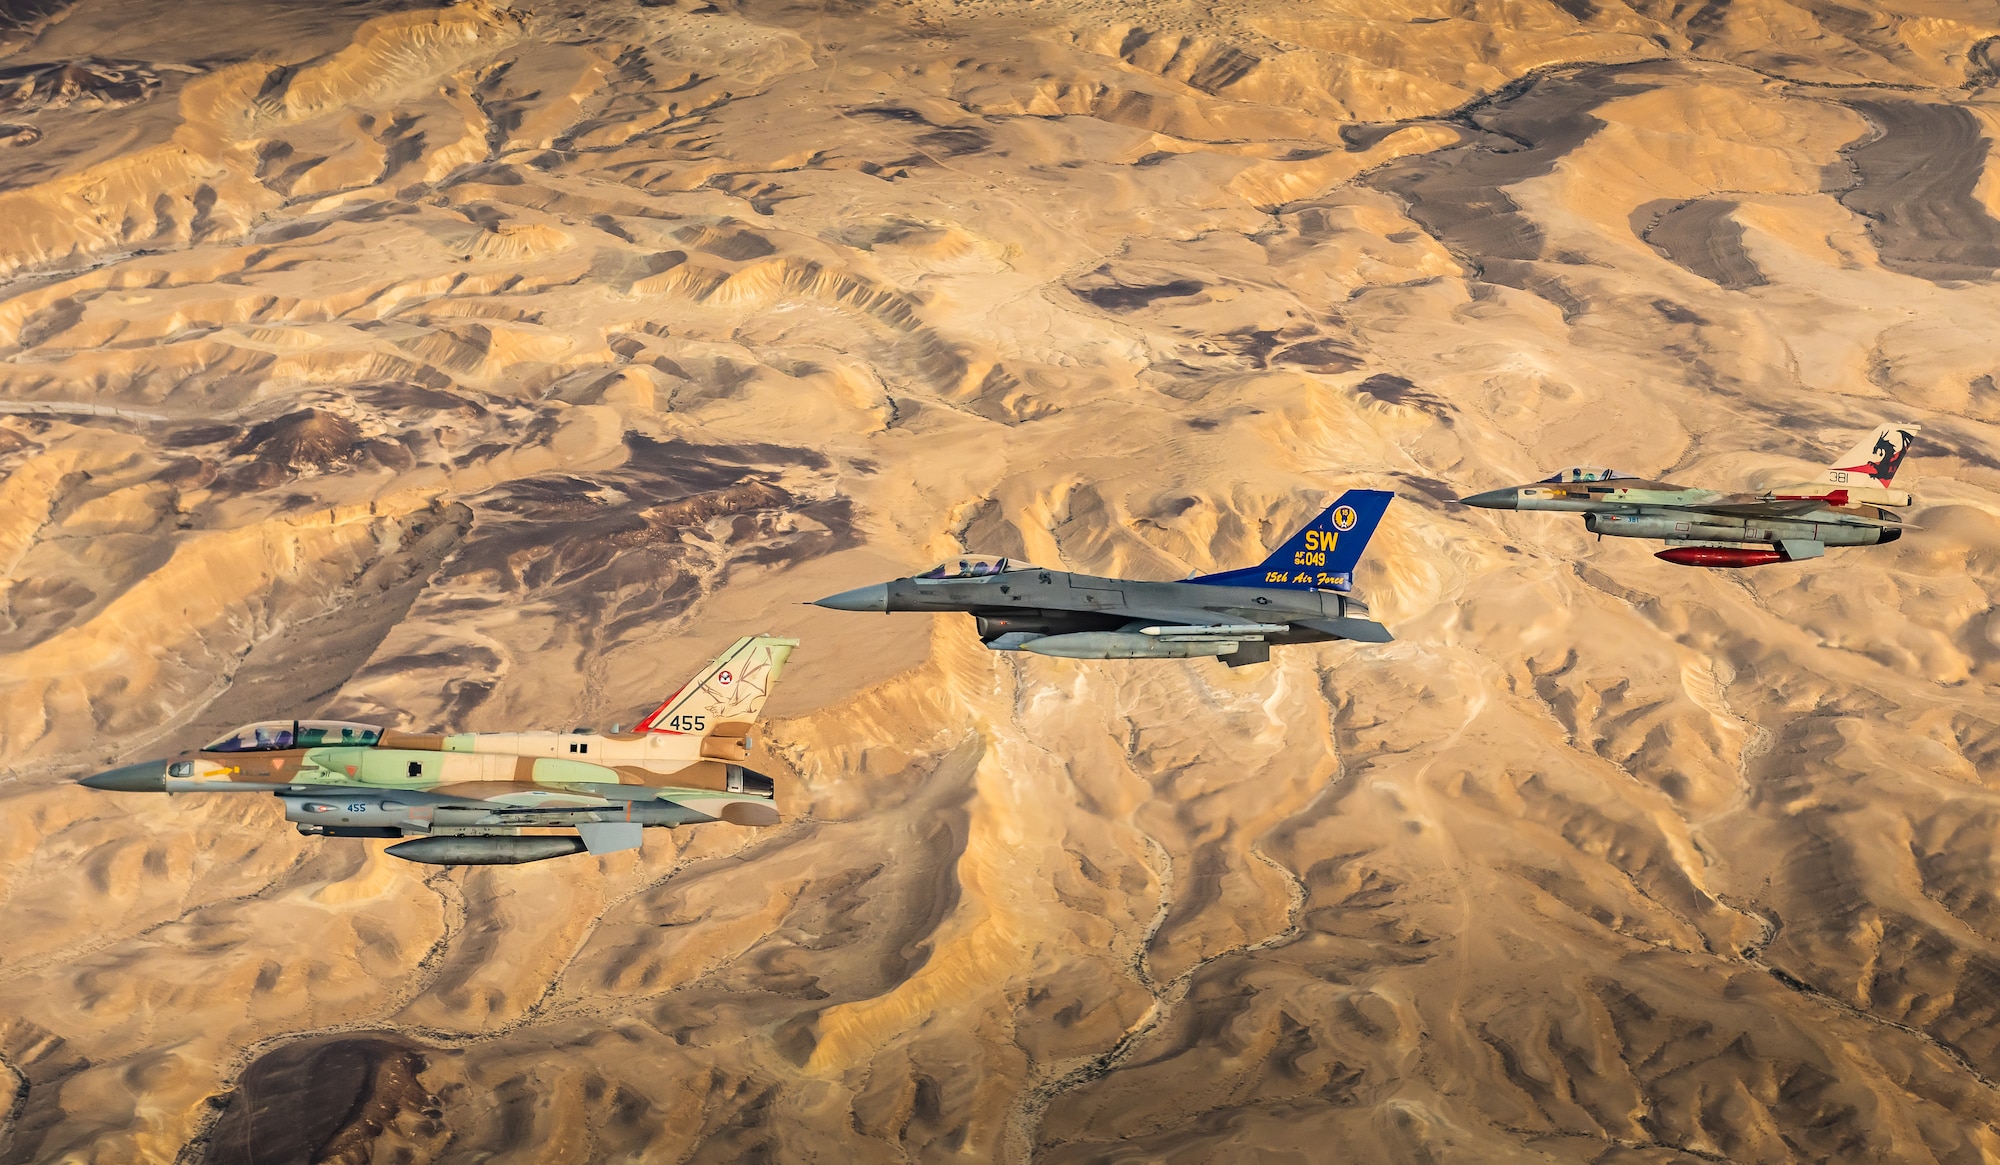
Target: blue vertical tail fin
{"points": [[1320, 557]]}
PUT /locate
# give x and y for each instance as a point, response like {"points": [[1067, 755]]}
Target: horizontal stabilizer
{"points": [[1348, 627]]}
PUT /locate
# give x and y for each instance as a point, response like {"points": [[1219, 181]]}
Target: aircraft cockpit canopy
{"points": [[277, 735], [1580, 473], [974, 566]]}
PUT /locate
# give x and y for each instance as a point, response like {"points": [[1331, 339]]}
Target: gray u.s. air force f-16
{"points": [[1705, 527], [1302, 593], [473, 798]]}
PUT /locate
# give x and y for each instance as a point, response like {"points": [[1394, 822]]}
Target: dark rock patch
{"points": [[1915, 184], [639, 544], [307, 439], [1982, 64], [1254, 344], [322, 1101], [1326, 357], [735, 245], [1521, 132], [1701, 237], [1366, 135], [955, 141], [1679, 314], [198, 435], [1397, 390], [892, 113], [1099, 289], [1222, 69], [1429, 487]]}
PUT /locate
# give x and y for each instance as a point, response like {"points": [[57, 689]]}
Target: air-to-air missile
{"points": [[492, 798], [1302, 593], [1705, 527]]}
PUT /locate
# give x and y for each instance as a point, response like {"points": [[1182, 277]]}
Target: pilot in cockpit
{"points": [[1584, 474], [972, 566], [279, 735]]}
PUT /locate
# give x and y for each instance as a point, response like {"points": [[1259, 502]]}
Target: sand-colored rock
{"points": [[492, 365]]}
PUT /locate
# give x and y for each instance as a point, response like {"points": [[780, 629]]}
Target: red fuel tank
{"points": [[1731, 556]]}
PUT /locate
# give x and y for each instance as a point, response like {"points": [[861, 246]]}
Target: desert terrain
{"points": [[491, 366]]}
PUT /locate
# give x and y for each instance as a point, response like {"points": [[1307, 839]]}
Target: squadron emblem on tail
{"points": [[1878, 459]]}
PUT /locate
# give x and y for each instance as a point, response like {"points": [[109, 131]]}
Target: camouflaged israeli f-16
{"points": [[1706, 527], [1302, 593], [501, 798]]}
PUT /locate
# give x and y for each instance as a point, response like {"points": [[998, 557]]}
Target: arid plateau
{"points": [[490, 366]]}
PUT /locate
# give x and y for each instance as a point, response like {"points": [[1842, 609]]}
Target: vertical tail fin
{"points": [[726, 698], [1876, 456], [1322, 556]]}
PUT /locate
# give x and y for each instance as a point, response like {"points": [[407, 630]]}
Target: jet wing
{"points": [[1775, 508], [1822, 509], [1794, 501]]}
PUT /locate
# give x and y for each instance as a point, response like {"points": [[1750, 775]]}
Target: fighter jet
{"points": [[1705, 527], [494, 798], [1302, 593]]}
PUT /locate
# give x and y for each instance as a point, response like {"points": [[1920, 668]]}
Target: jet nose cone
{"points": [[869, 598], [1494, 499], [145, 777]]}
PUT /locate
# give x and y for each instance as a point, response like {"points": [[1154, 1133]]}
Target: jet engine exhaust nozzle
{"points": [[145, 777], [869, 598]]}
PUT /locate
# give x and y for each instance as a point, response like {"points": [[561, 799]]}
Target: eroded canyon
{"points": [[489, 366]]}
